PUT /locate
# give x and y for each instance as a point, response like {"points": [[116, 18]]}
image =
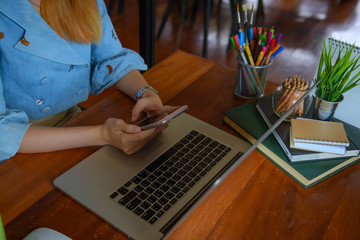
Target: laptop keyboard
{"points": [[155, 189]]}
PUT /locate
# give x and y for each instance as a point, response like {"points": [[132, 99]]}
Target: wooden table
{"points": [[257, 201]]}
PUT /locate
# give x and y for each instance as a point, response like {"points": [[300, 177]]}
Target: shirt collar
{"points": [[42, 40]]}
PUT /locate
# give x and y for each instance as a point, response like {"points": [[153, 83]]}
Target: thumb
{"points": [[129, 128]]}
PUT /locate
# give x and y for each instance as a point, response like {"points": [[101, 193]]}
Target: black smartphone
{"points": [[161, 119]]}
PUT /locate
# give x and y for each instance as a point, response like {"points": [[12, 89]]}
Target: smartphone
{"points": [[161, 119]]}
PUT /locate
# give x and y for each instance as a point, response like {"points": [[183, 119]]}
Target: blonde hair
{"points": [[74, 20]]}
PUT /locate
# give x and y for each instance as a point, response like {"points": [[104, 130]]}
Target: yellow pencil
{"points": [[248, 53], [258, 61]]}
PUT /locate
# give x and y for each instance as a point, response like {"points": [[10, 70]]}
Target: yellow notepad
{"points": [[319, 132]]}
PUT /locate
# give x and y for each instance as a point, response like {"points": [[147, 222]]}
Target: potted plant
{"points": [[336, 77]]}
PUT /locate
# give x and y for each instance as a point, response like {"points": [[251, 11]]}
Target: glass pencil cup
{"points": [[250, 80], [285, 96]]}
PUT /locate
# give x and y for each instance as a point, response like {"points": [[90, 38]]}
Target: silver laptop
{"points": [[144, 195]]}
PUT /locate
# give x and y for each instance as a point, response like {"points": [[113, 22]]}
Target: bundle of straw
{"points": [[293, 89]]}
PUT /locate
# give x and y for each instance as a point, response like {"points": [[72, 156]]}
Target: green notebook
{"points": [[247, 121]]}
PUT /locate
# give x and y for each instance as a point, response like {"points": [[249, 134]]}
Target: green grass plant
{"points": [[334, 76]]}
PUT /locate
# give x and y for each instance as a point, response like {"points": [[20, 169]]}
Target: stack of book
{"points": [[307, 130], [253, 119]]}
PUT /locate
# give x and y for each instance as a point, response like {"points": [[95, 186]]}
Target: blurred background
{"points": [[303, 24]]}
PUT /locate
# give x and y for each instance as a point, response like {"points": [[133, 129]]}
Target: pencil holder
{"points": [[290, 91], [250, 80]]}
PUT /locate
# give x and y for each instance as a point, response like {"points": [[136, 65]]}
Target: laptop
{"points": [[145, 194]]}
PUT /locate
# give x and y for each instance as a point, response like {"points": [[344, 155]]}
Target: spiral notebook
{"points": [[349, 109], [319, 132]]}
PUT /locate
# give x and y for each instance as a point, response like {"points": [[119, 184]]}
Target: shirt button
{"points": [[39, 102], [46, 109], [45, 81]]}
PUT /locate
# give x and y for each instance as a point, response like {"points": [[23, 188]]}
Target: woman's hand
{"points": [[150, 103], [129, 138]]}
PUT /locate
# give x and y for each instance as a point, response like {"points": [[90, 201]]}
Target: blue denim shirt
{"points": [[42, 74]]}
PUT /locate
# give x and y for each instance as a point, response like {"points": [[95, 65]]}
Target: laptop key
{"points": [[192, 183], [173, 201], [197, 178], [114, 195], [156, 184], [128, 184], [143, 174], [151, 178], [145, 183], [164, 188], [162, 179], [202, 173], [178, 145], [181, 184], [214, 144], [175, 189], [176, 177], [169, 195], [158, 173], [145, 205], [170, 182], [163, 201], [136, 180], [149, 190], [167, 207], [152, 199], [123, 190], [179, 195], [153, 220], [187, 179], [182, 172], [156, 206], [148, 214], [223, 154], [222, 146], [138, 211], [138, 188], [133, 204], [143, 196], [185, 189], [160, 213], [194, 133], [158, 193]]}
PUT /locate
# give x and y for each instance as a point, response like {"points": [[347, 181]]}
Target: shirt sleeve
{"points": [[13, 125], [109, 60]]}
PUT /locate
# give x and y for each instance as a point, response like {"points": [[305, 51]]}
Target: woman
{"points": [[52, 55]]}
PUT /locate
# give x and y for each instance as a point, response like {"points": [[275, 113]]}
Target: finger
{"points": [[137, 109], [135, 113], [129, 128]]}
